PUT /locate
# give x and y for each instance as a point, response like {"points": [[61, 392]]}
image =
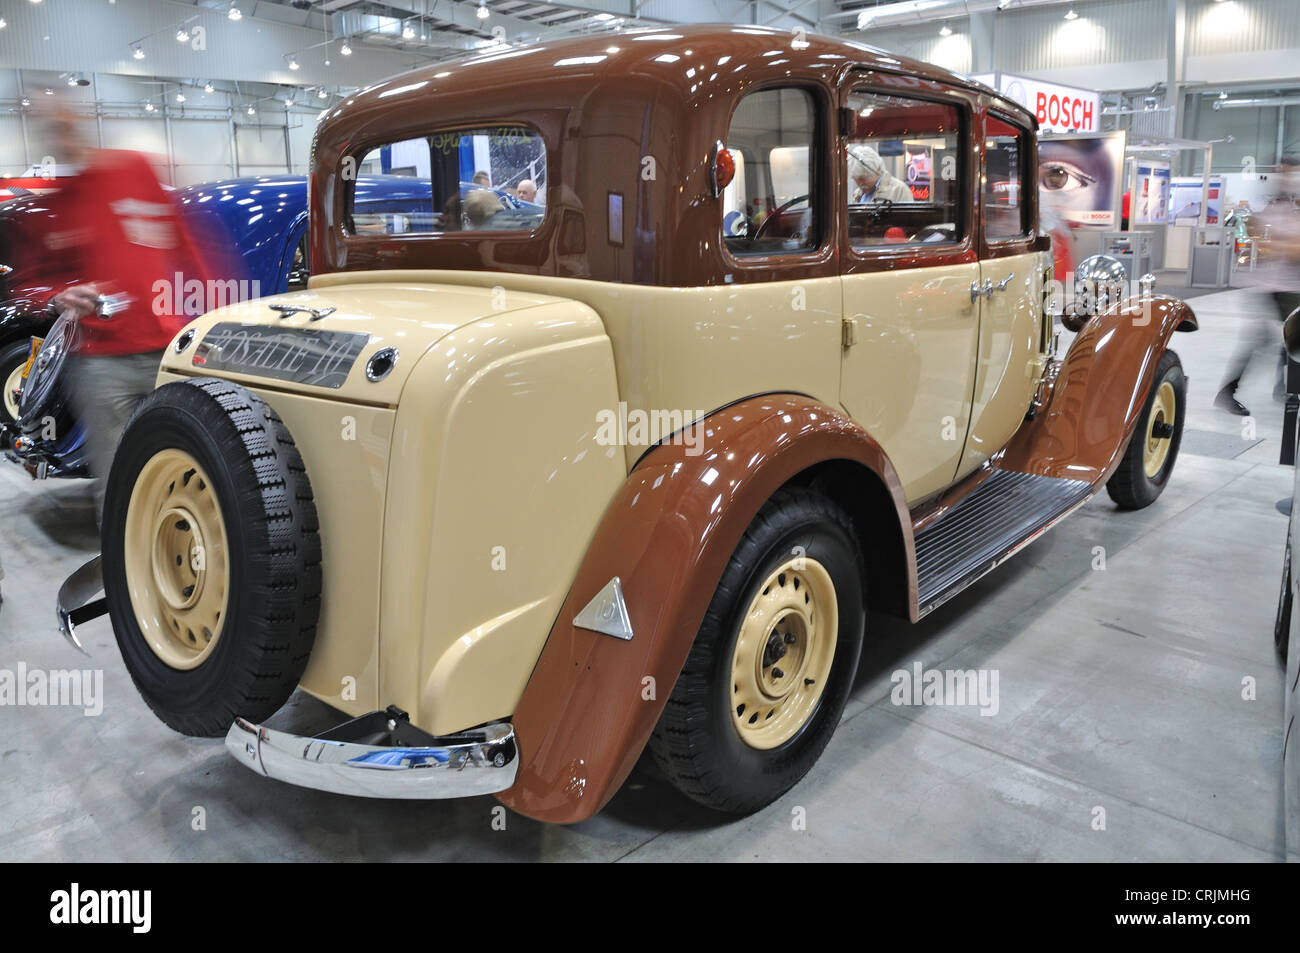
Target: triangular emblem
{"points": [[607, 612]]}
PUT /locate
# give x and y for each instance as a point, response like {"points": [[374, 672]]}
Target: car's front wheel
{"points": [[1149, 458], [773, 663]]}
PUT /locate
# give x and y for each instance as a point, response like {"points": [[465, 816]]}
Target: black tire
{"points": [[696, 743], [1285, 598], [273, 546], [1129, 486], [13, 355]]}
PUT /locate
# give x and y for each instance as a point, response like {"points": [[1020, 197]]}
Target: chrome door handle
{"points": [[1002, 285], [976, 290]]}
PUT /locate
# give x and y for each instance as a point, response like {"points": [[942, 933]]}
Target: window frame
{"points": [[818, 189], [1027, 240], [915, 254], [359, 153]]}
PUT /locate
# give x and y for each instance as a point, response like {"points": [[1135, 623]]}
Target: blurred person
{"points": [[117, 234], [482, 178], [1277, 277], [526, 191], [871, 181]]}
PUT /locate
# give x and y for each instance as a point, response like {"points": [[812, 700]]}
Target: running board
{"points": [[999, 518]]}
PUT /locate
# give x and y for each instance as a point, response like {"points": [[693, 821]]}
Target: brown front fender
{"points": [[590, 706], [1088, 414]]}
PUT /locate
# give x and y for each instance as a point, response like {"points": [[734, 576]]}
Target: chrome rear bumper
{"points": [[76, 603], [382, 755]]}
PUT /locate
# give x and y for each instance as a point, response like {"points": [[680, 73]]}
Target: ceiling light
{"points": [[3, 23], [180, 97], [182, 35], [26, 101], [408, 32], [602, 17], [207, 87], [945, 30], [293, 63], [137, 52], [1003, 4], [1071, 15], [321, 94], [48, 91], [234, 13], [482, 12], [148, 107], [1223, 94], [346, 48], [251, 111], [72, 80]]}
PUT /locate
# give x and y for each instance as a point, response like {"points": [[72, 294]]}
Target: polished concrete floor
{"points": [[1126, 729]]}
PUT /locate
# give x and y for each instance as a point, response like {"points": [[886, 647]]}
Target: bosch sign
{"points": [[1069, 112], [1058, 108]]}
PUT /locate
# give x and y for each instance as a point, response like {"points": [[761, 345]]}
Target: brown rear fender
{"points": [[1088, 412], [589, 707]]}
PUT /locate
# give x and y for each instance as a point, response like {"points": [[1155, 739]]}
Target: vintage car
{"points": [[525, 497]]}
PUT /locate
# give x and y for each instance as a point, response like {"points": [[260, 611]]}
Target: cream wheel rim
{"points": [[1159, 430], [177, 559], [784, 653], [12, 383]]}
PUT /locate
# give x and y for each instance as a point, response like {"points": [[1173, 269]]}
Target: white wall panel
{"points": [[141, 135], [12, 159], [260, 146]]}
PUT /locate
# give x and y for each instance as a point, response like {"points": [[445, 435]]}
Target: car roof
{"points": [[665, 55]]}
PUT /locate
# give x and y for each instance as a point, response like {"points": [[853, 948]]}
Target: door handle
{"points": [[976, 290], [1002, 285]]}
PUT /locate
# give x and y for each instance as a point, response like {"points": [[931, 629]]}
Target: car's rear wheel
{"points": [[772, 666], [211, 556], [1152, 451]]}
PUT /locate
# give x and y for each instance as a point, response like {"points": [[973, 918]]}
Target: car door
{"points": [[911, 331], [1012, 341]]}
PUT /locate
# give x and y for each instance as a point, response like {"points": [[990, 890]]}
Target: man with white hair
{"points": [[870, 181]]}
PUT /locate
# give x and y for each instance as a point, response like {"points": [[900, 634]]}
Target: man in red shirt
{"points": [[115, 233]]}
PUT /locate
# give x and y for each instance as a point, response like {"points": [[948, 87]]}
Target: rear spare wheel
{"points": [[211, 556]]}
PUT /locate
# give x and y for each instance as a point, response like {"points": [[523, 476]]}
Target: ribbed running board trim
{"points": [[995, 521]]}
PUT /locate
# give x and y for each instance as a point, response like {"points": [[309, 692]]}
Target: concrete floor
{"points": [[1121, 690]]}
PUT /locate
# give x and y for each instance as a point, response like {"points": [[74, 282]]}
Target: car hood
{"points": [[322, 342]]}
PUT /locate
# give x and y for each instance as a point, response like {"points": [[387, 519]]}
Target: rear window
{"points": [[488, 179]]}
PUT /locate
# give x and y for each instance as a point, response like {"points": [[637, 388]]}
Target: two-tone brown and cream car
{"points": [[524, 486]]}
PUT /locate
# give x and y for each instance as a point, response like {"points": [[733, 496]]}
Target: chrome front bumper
{"points": [[382, 755]]}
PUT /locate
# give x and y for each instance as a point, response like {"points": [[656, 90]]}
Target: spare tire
{"points": [[211, 556]]}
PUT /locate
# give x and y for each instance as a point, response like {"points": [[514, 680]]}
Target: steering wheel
{"points": [[776, 214]]}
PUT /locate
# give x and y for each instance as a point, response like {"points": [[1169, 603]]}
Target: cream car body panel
{"points": [[675, 348], [1011, 354], [908, 377], [497, 484]]}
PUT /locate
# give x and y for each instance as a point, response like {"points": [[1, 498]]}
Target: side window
{"points": [[1006, 212], [766, 208], [490, 179], [903, 165]]}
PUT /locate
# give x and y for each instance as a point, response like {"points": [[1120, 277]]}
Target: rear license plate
{"points": [[301, 355]]}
